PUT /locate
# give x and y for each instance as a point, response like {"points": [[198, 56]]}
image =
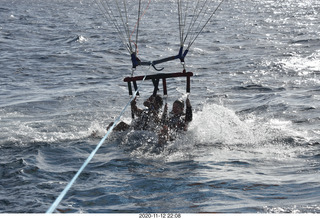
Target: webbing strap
{"points": [[164, 83], [129, 88], [156, 86], [135, 87], [188, 84]]}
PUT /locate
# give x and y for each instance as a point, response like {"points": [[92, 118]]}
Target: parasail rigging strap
{"points": [[202, 13], [109, 14], [117, 13], [201, 30]]}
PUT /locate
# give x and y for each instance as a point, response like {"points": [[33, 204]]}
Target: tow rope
{"points": [[67, 188]]}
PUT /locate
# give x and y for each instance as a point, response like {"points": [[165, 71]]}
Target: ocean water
{"points": [[252, 147]]}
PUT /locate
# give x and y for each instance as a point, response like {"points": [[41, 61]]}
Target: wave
{"points": [[77, 38], [306, 41]]}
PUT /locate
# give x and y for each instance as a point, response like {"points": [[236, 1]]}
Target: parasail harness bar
{"points": [[136, 61], [155, 79]]}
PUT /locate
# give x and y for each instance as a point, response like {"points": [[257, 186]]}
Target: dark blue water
{"points": [[253, 146]]}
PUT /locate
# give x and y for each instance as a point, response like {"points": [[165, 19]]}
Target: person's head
{"points": [[154, 101], [177, 107]]}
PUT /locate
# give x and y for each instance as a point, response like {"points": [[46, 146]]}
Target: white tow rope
{"points": [[67, 188]]}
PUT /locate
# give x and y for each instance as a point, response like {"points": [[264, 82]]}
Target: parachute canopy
{"points": [[126, 16]]}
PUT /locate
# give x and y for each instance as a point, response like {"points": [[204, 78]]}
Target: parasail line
{"points": [[190, 44], [105, 7], [180, 21], [193, 20], [125, 25], [196, 30], [138, 24], [127, 21], [199, 12]]}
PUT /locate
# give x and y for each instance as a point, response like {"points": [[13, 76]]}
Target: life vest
{"points": [[146, 121], [176, 123]]}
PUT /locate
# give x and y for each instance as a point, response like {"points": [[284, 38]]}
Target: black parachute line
{"points": [[193, 17], [125, 17]]}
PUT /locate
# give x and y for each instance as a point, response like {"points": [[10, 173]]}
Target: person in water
{"points": [[176, 122], [146, 119]]}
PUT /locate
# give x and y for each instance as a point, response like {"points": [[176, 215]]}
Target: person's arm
{"points": [[164, 118], [188, 117], [163, 135], [134, 109]]}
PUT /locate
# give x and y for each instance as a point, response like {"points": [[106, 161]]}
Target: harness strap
{"points": [[156, 85], [135, 87], [130, 88], [164, 84]]}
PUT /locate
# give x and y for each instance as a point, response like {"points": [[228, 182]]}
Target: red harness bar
{"points": [[155, 79]]}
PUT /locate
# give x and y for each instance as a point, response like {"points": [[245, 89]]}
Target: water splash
{"points": [[221, 125], [303, 65]]}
